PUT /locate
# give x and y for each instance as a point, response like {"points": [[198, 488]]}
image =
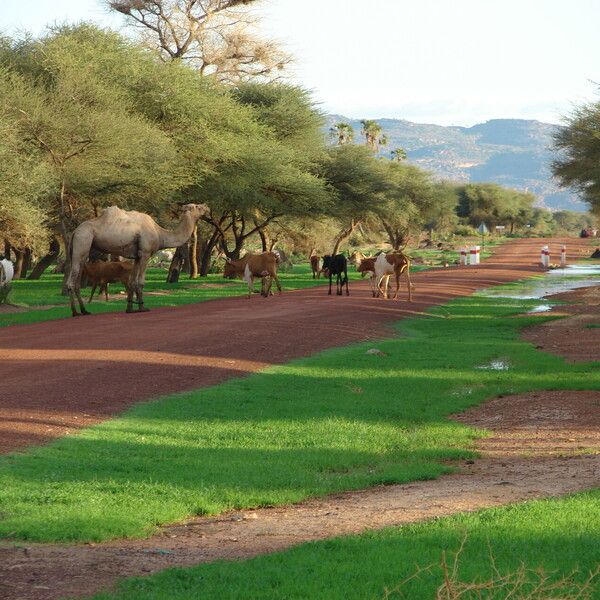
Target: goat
{"points": [[254, 265], [102, 273], [395, 264], [315, 265], [336, 265]]}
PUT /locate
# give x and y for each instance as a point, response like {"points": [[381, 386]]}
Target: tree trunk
{"points": [[177, 264], [194, 254], [6, 250], [19, 262], [237, 250], [264, 238], [343, 235], [46, 261], [206, 253]]}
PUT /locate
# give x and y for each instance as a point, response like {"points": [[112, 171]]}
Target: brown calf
{"points": [[255, 265], [102, 273], [315, 265]]}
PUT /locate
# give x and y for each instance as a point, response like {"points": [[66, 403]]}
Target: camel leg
{"points": [[132, 287], [74, 287], [82, 308], [141, 280]]}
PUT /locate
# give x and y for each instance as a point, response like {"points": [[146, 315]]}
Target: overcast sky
{"points": [[438, 61]]}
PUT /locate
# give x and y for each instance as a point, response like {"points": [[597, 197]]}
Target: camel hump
{"points": [[116, 215]]}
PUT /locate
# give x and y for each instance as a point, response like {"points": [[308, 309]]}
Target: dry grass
{"points": [[520, 584]]}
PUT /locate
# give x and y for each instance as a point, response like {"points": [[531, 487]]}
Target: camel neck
{"points": [[180, 235]]}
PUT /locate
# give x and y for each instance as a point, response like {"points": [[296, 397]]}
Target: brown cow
{"points": [[394, 263], [102, 273], [255, 265], [315, 265]]}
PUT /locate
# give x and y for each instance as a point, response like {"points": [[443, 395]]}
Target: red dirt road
{"points": [[62, 375]]}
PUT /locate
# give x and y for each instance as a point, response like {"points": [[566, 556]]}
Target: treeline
{"points": [[89, 118]]}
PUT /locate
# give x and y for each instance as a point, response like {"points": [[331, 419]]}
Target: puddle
{"points": [[540, 309], [496, 365], [554, 281]]}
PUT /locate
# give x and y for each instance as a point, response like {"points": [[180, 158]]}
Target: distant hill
{"points": [[513, 152]]}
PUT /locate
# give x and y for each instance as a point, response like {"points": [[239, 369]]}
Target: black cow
{"points": [[336, 265]]}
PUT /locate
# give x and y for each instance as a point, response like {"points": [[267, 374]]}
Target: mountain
{"points": [[516, 153]]}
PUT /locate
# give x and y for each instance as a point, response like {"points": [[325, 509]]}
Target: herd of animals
{"points": [[134, 235]]}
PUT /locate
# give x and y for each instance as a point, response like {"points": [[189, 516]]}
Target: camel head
{"points": [[195, 211]]}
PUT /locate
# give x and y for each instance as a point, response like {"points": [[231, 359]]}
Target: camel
{"points": [[129, 234]]}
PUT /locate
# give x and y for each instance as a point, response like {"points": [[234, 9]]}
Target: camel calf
{"points": [[254, 265], [394, 263], [102, 273]]}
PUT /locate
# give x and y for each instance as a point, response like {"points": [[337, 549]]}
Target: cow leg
{"points": [[106, 292], [277, 282], [409, 283], [397, 274], [330, 276], [346, 278], [92, 294]]}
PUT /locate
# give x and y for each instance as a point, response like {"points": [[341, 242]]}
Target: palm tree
{"points": [[398, 154], [342, 132], [373, 134]]}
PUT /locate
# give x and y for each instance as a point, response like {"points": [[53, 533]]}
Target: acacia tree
{"points": [[83, 127], [342, 133], [579, 149], [218, 37], [359, 181], [495, 205], [407, 201], [374, 136], [24, 182]]}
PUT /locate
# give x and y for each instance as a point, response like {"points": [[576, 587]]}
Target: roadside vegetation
{"points": [[535, 550], [339, 420]]}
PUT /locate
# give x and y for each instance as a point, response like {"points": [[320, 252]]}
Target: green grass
{"points": [[336, 421], [558, 536]]}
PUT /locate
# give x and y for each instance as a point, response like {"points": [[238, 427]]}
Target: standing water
{"points": [[553, 282]]}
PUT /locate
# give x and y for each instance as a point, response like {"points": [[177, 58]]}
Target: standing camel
{"points": [[130, 234]]}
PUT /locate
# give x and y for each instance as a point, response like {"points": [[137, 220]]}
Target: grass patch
{"points": [[336, 421], [558, 536]]}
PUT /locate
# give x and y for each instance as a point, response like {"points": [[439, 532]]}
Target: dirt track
{"points": [[62, 375], [544, 442]]}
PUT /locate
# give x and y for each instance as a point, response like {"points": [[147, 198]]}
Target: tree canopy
{"points": [[578, 143]]}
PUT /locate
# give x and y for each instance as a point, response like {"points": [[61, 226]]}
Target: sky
{"points": [[450, 62]]}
